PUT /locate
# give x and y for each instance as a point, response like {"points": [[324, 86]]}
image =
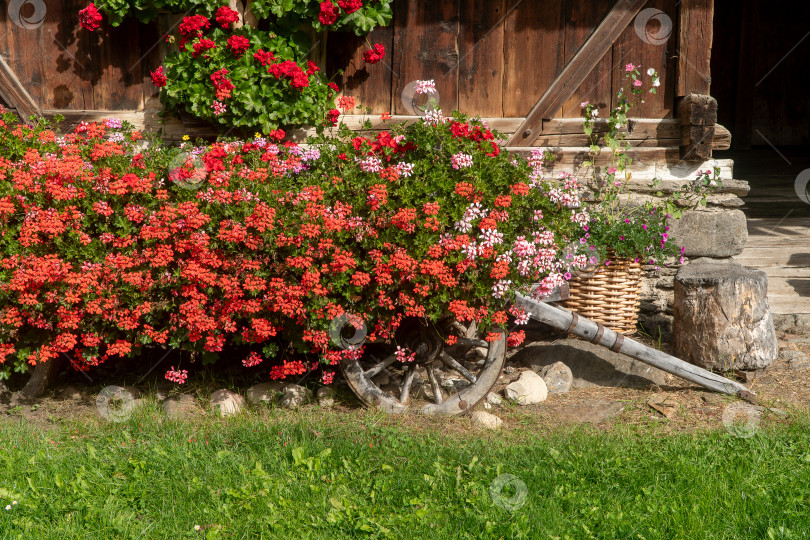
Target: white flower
{"points": [[656, 81], [197, 527], [8, 507], [595, 113], [651, 71]]}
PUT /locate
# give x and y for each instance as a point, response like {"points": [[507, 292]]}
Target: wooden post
{"points": [[695, 47], [698, 116]]}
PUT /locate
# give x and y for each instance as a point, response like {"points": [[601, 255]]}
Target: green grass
{"points": [[320, 474]]}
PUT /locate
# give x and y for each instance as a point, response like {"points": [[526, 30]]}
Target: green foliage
{"points": [[347, 475]]}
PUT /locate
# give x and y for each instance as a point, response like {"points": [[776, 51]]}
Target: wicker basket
{"points": [[609, 296]]}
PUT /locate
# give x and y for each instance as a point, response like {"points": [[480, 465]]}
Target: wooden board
{"points": [[577, 70], [370, 84], [631, 48], [534, 52], [581, 20], [426, 38], [695, 47], [480, 67]]}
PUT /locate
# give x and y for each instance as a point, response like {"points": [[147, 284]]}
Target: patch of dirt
{"points": [[784, 386]]}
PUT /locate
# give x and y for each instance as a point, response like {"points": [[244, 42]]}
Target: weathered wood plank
{"points": [[14, 94], [426, 38], [577, 70], [480, 66], [369, 84], [694, 47], [650, 46], [581, 20], [534, 53]]}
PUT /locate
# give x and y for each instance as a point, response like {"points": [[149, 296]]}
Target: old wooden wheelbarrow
{"points": [[455, 381]]}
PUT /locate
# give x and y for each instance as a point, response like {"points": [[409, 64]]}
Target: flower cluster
{"points": [[107, 248], [278, 87]]}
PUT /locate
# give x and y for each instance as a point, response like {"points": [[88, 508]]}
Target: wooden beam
{"points": [[577, 70], [15, 94], [698, 116], [695, 47]]}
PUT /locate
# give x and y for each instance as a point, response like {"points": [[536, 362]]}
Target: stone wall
{"points": [[717, 231]]}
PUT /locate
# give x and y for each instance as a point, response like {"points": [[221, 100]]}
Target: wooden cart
{"points": [[379, 380]]}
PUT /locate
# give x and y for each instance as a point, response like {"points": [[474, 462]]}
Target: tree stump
{"points": [[721, 317]]}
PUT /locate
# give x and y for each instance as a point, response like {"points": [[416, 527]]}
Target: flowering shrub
{"points": [[618, 227], [241, 76], [261, 244]]}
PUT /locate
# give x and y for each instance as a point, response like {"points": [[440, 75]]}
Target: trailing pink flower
{"points": [[176, 376], [462, 161]]}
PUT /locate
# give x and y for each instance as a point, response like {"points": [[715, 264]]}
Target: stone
{"points": [[295, 396], [528, 389], [590, 411], [710, 233], [558, 378], [493, 399], [486, 420], [326, 396], [265, 392], [488, 406], [227, 403], [722, 320], [5, 395], [70, 392], [162, 393], [711, 398], [592, 365], [180, 407]]}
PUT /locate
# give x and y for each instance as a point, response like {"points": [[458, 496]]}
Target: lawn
{"points": [[330, 474]]}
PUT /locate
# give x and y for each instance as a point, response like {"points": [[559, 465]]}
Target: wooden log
{"points": [[698, 116], [596, 333], [697, 110], [577, 70], [721, 315]]}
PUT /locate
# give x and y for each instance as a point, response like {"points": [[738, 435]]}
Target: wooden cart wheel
{"points": [[440, 380]]}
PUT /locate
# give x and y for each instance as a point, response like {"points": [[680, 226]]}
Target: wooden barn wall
{"points": [[493, 58]]}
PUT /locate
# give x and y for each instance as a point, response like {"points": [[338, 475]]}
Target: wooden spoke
{"points": [[472, 342], [377, 368], [434, 384], [404, 394], [453, 364]]}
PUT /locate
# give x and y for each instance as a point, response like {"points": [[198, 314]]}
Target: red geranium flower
{"points": [[158, 77], [328, 13], [332, 116], [350, 6], [89, 17], [375, 54], [225, 16], [238, 45]]}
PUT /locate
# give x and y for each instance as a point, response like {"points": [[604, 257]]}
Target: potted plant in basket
{"points": [[624, 233]]}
